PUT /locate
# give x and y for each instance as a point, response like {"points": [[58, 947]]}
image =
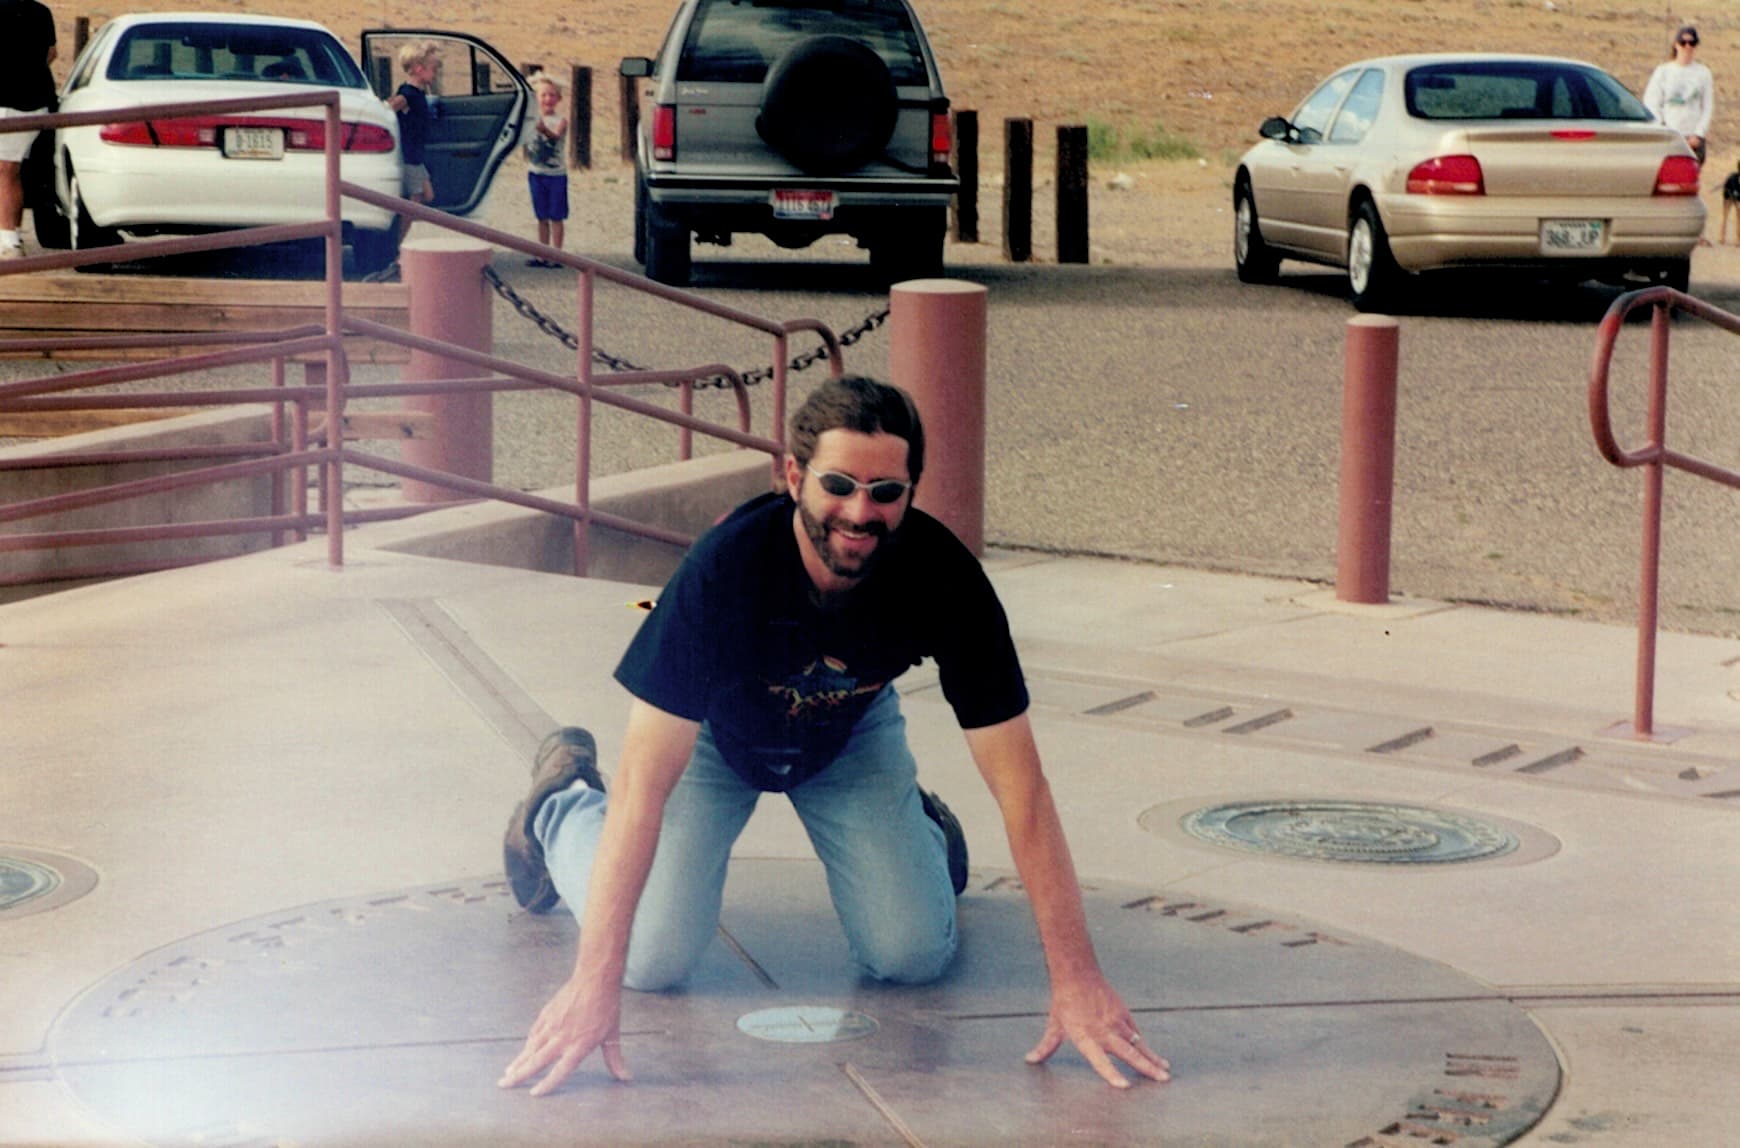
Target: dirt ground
{"points": [[1204, 70]]}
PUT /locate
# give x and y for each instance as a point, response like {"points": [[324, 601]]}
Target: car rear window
{"points": [[1518, 89], [735, 41], [187, 51]]}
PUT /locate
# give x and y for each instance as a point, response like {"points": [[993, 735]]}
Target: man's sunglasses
{"points": [[883, 490]]}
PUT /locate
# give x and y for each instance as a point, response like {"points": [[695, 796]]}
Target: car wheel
{"points": [[373, 251], [828, 105], [51, 227], [1255, 261], [1678, 275], [640, 219], [914, 251], [667, 249], [84, 232], [1373, 279]]}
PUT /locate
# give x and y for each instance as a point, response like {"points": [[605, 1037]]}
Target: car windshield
{"points": [[1518, 89], [734, 41], [206, 51]]}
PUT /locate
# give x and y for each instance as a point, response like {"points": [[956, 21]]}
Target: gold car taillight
{"points": [[1678, 175], [1447, 175]]}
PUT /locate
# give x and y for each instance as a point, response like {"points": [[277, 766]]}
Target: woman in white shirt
{"points": [[1682, 92]]}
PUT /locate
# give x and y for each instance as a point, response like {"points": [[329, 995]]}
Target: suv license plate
{"points": [[789, 203], [1572, 236], [254, 143]]}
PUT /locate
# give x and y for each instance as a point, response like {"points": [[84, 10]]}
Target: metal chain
{"points": [[605, 359]]}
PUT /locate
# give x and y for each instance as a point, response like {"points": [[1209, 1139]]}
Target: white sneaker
{"points": [[8, 251]]}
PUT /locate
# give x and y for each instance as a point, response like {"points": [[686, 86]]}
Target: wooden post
{"points": [[1072, 194], [1018, 189], [630, 97], [580, 117], [966, 206]]}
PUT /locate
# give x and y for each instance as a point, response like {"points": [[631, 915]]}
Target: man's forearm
{"points": [[1047, 871]]}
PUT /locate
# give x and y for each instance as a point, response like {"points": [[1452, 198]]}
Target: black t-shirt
{"points": [[738, 640], [413, 123], [26, 83]]}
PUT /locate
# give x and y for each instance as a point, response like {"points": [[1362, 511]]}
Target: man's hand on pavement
{"points": [[1093, 1017], [578, 1020]]}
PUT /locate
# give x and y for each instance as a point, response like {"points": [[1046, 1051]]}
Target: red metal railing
{"points": [[1653, 456], [328, 387]]}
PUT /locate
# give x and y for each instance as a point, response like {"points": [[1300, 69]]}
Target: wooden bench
{"points": [[59, 304]]}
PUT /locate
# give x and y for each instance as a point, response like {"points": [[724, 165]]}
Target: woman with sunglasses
{"points": [[1682, 92]]}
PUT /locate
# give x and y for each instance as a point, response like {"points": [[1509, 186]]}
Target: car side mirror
{"points": [[635, 66], [1276, 128]]}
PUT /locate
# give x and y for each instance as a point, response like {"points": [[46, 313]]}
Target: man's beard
{"points": [[820, 531]]}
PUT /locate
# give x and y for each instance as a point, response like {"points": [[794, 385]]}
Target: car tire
{"points": [[1374, 281], [373, 251], [1254, 260], [914, 251], [667, 249], [1678, 275], [640, 218], [84, 234], [828, 105], [52, 230]]}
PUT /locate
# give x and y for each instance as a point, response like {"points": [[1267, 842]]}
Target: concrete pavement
{"points": [[249, 860]]}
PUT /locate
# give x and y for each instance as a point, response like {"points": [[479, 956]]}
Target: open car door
{"points": [[479, 101]]}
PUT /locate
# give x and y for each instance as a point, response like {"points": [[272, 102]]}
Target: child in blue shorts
{"points": [[548, 177]]}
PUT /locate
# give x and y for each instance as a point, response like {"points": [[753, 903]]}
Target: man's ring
{"points": [[1135, 1038]]}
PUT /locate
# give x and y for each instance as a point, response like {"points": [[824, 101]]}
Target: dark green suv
{"points": [[793, 119]]}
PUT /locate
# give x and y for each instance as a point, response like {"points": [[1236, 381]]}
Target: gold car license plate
{"points": [[1572, 236], [254, 143], [792, 203]]}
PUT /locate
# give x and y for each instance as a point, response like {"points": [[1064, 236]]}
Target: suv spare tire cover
{"points": [[828, 105]]}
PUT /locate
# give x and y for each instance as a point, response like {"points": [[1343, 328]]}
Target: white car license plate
{"points": [[1572, 236], [254, 143], [791, 203]]}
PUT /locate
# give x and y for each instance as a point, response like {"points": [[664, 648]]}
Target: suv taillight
{"points": [[1678, 175], [942, 138], [664, 132], [1447, 175]]}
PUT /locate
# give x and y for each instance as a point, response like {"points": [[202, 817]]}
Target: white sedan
{"points": [[201, 173], [1408, 164]]}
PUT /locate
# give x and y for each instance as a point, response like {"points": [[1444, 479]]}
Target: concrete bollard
{"points": [[449, 300], [1368, 459], [936, 353]]}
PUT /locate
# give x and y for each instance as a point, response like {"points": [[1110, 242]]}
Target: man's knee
{"points": [[656, 972], [908, 957]]}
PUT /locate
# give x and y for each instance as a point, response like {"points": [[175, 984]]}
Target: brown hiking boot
{"points": [[567, 756]]}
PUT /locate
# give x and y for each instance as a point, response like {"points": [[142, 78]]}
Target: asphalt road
{"points": [[1175, 415], [1171, 414]]}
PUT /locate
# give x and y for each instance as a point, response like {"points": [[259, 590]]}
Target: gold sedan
{"points": [[1409, 164]]}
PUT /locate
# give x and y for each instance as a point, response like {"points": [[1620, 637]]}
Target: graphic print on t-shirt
{"points": [[819, 688]]}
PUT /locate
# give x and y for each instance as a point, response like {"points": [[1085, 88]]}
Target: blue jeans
{"points": [[885, 860]]}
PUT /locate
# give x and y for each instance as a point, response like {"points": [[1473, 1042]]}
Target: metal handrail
{"points": [[280, 458], [1654, 456]]}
